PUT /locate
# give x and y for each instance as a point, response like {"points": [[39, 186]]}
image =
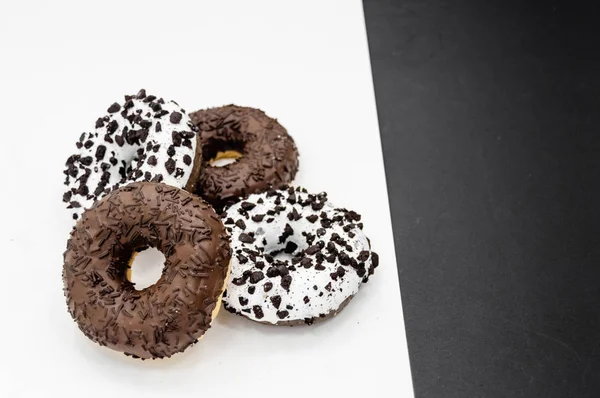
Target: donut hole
{"points": [[222, 153], [224, 158], [282, 256], [146, 268], [286, 252]]}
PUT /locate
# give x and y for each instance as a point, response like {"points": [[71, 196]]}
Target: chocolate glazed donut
{"points": [[168, 316], [266, 155]]}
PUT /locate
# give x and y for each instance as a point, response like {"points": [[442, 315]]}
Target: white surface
{"points": [[306, 63], [147, 268]]}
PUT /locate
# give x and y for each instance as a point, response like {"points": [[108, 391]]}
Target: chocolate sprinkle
{"points": [[290, 247], [363, 256], [312, 218], [239, 281], [312, 250], [175, 117], [258, 312], [276, 300], [256, 277], [100, 152], [247, 206], [246, 238], [114, 108], [170, 166], [112, 127], [86, 161], [286, 281], [119, 140], [272, 272]]}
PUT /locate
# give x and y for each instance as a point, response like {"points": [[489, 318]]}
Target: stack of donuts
{"points": [[150, 175]]}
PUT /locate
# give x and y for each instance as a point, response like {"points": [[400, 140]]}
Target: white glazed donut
{"points": [[144, 139], [296, 258]]}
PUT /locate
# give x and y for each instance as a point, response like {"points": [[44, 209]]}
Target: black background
{"points": [[489, 114]]}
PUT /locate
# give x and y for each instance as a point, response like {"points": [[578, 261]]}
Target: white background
{"points": [[305, 63]]}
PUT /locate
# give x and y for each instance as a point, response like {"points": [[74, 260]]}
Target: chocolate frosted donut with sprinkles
{"points": [[143, 139], [164, 318], [296, 257], [265, 154]]}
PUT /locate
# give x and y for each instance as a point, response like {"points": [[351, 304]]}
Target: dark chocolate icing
{"points": [[168, 316], [269, 154]]}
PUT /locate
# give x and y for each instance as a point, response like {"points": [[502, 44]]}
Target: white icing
{"points": [[128, 153], [322, 301]]}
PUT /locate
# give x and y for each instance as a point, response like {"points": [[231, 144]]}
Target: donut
{"points": [[164, 318], [266, 155], [144, 139], [296, 257]]}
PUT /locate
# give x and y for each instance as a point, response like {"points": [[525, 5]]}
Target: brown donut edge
{"points": [[296, 322], [197, 167]]}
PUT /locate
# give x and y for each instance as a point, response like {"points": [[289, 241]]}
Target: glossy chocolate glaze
{"points": [[168, 316], [269, 154]]}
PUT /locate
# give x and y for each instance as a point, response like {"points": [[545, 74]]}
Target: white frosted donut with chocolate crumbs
{"points": [[143, 139], [296, 257]]}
